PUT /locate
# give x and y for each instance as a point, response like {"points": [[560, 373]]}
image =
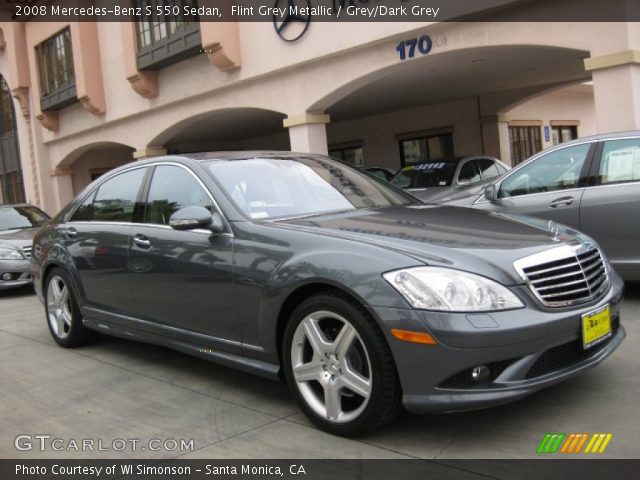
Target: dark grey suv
{"points": [[300, 267]]}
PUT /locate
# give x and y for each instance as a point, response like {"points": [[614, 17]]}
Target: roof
{"points": [[244, 155]]}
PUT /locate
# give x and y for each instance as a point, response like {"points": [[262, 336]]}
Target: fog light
{"points": [[480, 373], [7, 277]]}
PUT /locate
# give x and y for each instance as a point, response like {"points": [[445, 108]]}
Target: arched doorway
{"points": [[11, 183]]}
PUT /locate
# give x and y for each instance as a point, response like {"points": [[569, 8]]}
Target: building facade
{"points": [[85, 97]]}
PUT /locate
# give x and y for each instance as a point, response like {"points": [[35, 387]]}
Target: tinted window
{"points": [[272, 187], [469, 173], [558, 170], [425, 175], [173, 188], [115, 199], [12, 218], [488, 168], [620, 161]]}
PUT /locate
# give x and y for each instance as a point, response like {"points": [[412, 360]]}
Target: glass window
{"points": [[425, 175], [620, 161], [13, 218], [271, 187], [488, 168], [167, 19], [115, 199], [421, 149], [469, 173], [563, 134], [173, 188], [352, 155], [557, 170], [524, 142], [55, 63]]}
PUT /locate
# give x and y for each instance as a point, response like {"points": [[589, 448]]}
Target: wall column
{"points": [[616, 87], [495, 137], [62, 189], [308, 133]]}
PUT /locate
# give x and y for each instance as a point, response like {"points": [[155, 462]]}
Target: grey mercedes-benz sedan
{"points": [[303, 268]]}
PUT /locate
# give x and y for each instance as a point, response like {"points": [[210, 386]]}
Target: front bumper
{"points": [[526, 350], [19, 271]]}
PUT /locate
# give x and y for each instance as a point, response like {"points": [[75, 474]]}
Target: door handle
{"points": [[141, 241], [71, 232], [561, 202]]}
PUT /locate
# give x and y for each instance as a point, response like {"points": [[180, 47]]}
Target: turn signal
{"points": [[413, 337]]}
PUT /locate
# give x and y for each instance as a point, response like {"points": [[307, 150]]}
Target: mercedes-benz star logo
{"points": [[293, 24]]}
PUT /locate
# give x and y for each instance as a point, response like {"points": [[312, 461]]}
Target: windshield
{"points": [[12, 218], [271, 188], [425, 175]]}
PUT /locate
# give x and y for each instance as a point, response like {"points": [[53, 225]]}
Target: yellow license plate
{"points": [[596, 326]]}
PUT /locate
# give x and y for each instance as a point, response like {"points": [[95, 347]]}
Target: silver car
{"points": [[446, 179], [591, 184], [18, 225]]}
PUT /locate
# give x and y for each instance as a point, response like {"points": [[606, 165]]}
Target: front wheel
{"points": [[339, 366]]}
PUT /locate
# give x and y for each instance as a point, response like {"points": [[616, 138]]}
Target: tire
{"points": [[339, 367], [62, 312]]}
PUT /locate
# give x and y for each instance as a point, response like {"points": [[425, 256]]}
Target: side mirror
{"points": [[190, 218], [490, 193]]}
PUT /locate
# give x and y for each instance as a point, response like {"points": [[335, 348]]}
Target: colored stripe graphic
{"points": [[573, 443], [551, 442], [598, 443]]}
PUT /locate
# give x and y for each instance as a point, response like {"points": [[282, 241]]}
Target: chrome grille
{"points": [[26, 251], [565, 275]]}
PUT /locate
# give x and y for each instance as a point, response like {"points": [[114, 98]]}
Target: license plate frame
{"points": [[596, 326]]}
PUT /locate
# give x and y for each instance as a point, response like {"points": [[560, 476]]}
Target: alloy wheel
{"points": [[59, 307], [331, 366]]}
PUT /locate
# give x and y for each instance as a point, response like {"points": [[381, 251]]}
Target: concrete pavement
{"points": [[118, 389]]}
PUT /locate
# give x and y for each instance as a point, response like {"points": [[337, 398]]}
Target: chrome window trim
{"points": [[562, 253], [229, 232]]}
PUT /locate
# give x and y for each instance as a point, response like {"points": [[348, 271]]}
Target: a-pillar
{"points": [[616, 88], [308, 132], [61, 180]]}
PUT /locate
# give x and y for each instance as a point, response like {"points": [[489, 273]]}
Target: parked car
{"points": [[300, 267], [381, 172], [446, 179], [18, 225], [591, 184]]}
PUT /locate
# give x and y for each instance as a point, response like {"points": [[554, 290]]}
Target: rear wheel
{"points": [[339, 366], [63, 315]]}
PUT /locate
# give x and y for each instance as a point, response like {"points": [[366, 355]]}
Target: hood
{"points": [[450, 194], [22, 237], [482, 242]]}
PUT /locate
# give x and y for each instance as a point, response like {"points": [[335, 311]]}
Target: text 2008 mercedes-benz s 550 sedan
{"points": [[300, 267]]}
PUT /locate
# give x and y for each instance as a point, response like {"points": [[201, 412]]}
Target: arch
{"points": [[224, 129], [453, 74], [88, 162]]}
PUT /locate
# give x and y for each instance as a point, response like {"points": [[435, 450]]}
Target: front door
{"points": [[549, 187], [183, 279]]}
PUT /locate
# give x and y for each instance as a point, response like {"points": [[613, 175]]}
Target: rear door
{"points": [[610, 209], [97, 238], [550, 186]]}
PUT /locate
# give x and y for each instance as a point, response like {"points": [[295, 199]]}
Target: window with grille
{"points": [[166, 35], [11, 184], [55, 71], [524, 142]]}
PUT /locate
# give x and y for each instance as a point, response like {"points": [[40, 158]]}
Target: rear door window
{"points": [[620, 162]]}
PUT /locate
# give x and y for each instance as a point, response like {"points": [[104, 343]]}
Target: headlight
{"points": [[10, 254], [435, 288]]}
